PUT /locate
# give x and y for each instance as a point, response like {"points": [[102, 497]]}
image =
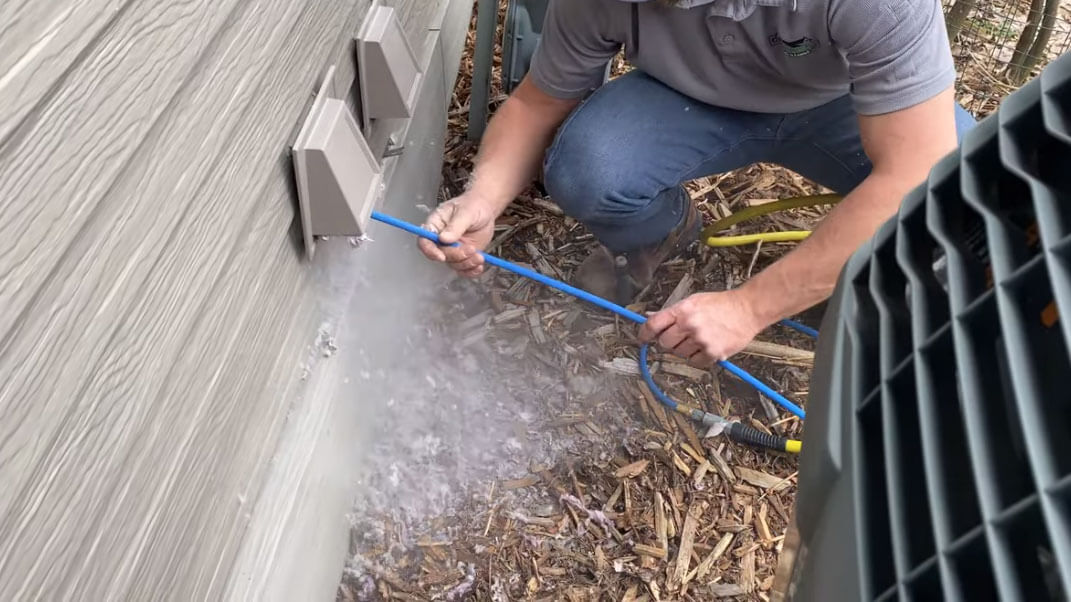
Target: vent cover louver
{"points": [[523, 29], [937, 458]]}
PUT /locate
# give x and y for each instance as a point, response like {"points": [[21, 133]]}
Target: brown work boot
{"points": [[620, 277]]}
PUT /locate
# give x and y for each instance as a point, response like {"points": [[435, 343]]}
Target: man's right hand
{"points": [[468, 219], [510, 153]]}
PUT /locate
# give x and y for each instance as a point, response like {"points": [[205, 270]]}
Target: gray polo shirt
{"points": [[769, 56]]}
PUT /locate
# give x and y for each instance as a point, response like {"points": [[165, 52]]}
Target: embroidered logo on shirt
{"points": [[800, 47]]}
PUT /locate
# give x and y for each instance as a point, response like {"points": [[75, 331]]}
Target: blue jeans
{"points": [[618, 162]]}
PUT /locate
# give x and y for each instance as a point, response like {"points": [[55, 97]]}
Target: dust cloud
{"points": [[442, 417]]}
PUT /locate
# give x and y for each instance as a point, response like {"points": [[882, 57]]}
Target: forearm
{"points": [[512, 147], [902, 146], [808, 274]]}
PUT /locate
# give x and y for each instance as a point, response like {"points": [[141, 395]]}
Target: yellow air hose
{"points": [[711, 239]]}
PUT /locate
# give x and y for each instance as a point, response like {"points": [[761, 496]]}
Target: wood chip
{"points": [[509, 315], [684, 370], [682, 290], [745, 489], [428, 543], [731, 526], [527, 481], [645, 407], [771, 412], [748, 549], [727, 590], [779, 509], [708, 563], [691, 451], [763, 480], [500, 239], [605, 330], [701, 473], [781, 352], [632, 470], [681, 465], [621, 365], [722, 466], [533, 520], [761, 526], [536, 325], [478, 321], [675, 520], [660, 521], [651, 551], [600, 560], [656, 408], [472, 338], [609, 505], [652, 586], [747, 572], [685, 426], [684, 554], [545, 267]]}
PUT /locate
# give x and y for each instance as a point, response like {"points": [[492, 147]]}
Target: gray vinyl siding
{"points": [[156, 310]]}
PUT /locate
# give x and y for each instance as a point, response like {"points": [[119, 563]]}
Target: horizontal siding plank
{"points": [[40, 42], [52, 353], [57, 171], [115, 373]]}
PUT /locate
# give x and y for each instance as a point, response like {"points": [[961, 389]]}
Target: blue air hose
{"points": [[807, 330], [614, 308]]}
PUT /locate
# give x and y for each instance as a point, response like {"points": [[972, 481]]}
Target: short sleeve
{"points": [[897, 51], [574, 48]]}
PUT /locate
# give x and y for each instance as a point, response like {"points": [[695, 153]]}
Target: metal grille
{"points": [[953, 335], [999, 44]]}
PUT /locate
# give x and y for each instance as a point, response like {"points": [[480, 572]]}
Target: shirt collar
{"points": [[737, 10]]}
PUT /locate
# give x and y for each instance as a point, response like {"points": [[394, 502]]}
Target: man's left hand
{"points": [[704, 328]]}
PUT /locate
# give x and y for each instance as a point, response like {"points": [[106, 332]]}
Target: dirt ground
{"points": [[563, 479]]}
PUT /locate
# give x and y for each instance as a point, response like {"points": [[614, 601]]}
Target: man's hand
{"points": [[704, 327], [510, 152], [467, 219]]}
